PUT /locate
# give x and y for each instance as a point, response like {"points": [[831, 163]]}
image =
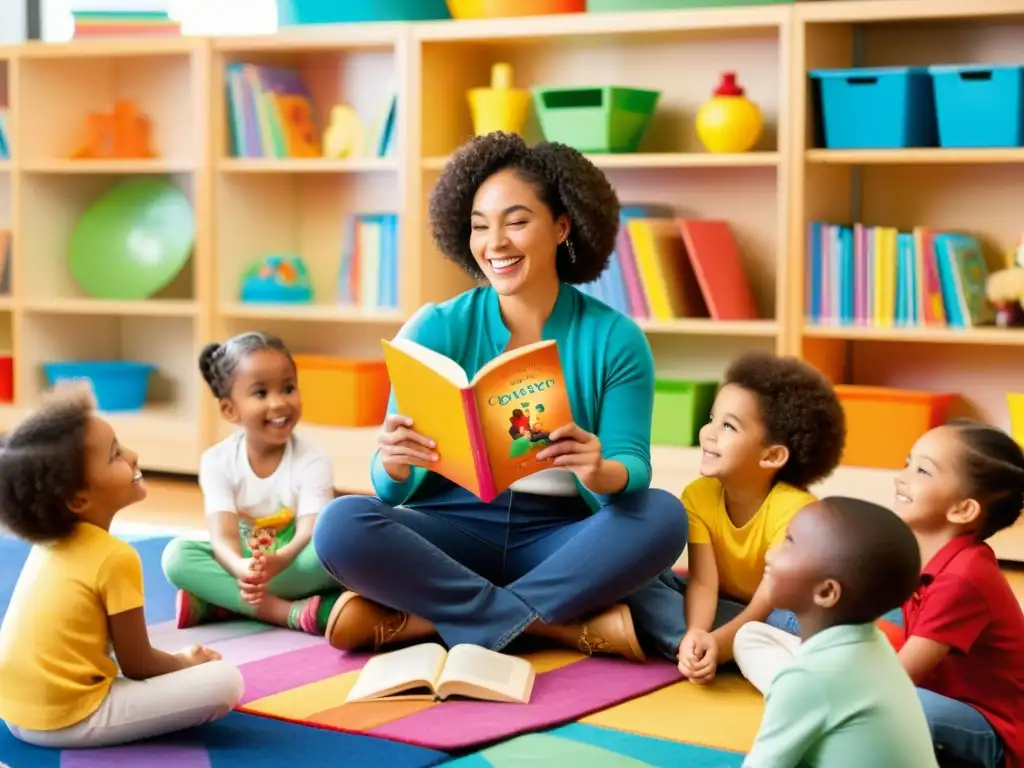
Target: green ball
{"points": [[133, 240]]}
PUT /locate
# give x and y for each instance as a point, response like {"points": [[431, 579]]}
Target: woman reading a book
{"points": [[554, 554]]}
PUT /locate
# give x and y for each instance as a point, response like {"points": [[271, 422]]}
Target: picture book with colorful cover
{"points": [[488, 429], [427, 672]]}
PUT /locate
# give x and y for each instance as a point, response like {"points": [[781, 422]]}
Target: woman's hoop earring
{"points": [[572, 251]]}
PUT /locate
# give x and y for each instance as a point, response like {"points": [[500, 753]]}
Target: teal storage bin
{"points": [[291, 13], [979, 105], [600, 119], [681, 408], [874, 108]]}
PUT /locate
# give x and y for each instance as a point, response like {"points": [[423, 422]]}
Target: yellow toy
{"points": [[500, 107], [1005, 289], [730, 122], [345, 135]]}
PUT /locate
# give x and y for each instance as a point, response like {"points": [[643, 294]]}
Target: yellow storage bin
{"points": [[341, 392], [882, 424]]}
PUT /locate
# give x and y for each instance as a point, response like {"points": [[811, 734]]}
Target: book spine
{"points": [[485, 479]]}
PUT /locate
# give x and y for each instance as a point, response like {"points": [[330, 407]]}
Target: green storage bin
{"points": [[618, 6], [681, 408], [599, 119]]}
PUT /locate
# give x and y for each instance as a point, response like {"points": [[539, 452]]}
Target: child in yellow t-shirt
{"points": [[63, 477], [776, 428]]}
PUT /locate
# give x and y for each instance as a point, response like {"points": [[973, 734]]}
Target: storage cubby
{"points": [[165, 431], [360, 73], [160, 80], [310, 216], [52, 204]]}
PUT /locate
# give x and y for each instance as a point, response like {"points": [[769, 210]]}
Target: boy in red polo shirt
{"points": [[964, 629]]}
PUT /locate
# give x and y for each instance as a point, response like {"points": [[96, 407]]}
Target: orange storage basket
{"points": [[340, 392], [882, 424], [494, 9]]}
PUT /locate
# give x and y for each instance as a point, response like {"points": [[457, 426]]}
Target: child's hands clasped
{"points": [[698, 656], [262, 567]]}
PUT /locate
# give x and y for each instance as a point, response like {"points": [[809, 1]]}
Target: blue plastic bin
{"points": [[292, 13], [979, 105], [874, 108], [117, 385]]}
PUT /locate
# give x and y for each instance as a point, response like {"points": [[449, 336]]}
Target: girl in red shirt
{"points": [[963, 639]]}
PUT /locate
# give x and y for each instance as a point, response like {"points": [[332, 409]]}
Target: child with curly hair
{"points": [[263, 488], [776, 428], [963, 641], [63, 478]]}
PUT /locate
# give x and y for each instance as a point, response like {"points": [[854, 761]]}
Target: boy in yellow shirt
{"points": [[79, 599], [776, 428]]}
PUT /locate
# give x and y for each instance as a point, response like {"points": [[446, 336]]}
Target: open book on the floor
{"points": [[428, 671]]}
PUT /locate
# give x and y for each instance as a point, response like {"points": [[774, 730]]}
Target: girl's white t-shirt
{"points": [[303, 482]]}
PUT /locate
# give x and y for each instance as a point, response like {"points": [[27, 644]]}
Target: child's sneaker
{"points": [[192, 611]]}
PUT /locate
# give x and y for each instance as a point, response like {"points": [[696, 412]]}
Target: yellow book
{"points": [[488, 429], [660, 254], [428, 672]]}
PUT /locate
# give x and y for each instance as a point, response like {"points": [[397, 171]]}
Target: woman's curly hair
{"points": [[42, 467], [800, 410], [565, 180]]}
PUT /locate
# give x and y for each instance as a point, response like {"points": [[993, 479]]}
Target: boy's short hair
{"points": [[873, 555], [800, 410], [42, 467]]}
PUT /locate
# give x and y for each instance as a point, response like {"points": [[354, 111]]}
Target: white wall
{"points": [[12, 21]]}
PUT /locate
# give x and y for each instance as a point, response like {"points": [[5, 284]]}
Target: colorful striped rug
{"points": [[239, 740]]}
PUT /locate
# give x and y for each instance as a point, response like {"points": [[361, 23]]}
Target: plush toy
{"points": [[1005, 289]]}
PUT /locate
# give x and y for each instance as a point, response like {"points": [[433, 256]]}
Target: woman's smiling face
{"points": [[514, 237]]}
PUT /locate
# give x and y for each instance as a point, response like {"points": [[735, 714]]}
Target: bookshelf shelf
{"points": [[302, 165], [140, 308], [322, 313], [655, 160], [706, 327], [925, 156], [157, 166], [996, 337]]}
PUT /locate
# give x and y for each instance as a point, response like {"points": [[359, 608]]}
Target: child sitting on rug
{"points": [[63, 478], [776, 427], [842, 698], [263, 488], [963, 639]]}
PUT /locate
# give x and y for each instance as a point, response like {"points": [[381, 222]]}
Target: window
{"points": [[197, 17]]}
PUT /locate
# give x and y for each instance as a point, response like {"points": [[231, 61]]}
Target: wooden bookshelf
{"points": [[248, 208]]}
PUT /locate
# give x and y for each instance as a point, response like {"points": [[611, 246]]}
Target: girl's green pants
{"points": [[189, 564]]}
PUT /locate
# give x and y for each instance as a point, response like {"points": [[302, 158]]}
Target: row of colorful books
{"points": [[881, 277], [666, 267], [271, 114], [368, 277]]}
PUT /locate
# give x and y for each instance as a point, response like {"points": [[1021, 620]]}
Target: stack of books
{"points": [[110, 18]]}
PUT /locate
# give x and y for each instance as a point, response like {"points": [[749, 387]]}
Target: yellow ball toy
{"points": [[729, 122]]}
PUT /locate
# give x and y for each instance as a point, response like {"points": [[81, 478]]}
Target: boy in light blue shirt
{"points": [[840, 698]]}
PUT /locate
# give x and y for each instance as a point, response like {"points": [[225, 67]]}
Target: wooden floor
{"points": [[177, 503]]}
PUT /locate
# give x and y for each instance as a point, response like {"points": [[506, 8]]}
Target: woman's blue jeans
{"points": [[659, 610], [482, 573]]}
